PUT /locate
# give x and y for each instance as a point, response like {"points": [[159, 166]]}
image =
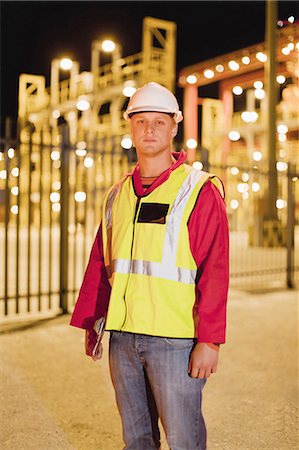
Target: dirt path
{"points": [[53, 397]]}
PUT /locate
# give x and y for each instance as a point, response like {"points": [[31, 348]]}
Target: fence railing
{"points": [[50, 207]]}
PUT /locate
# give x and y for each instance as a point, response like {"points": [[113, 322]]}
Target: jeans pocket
{"points": [[179, 342]]}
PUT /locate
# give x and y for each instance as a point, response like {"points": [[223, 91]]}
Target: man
{"points": [[158, 274]]}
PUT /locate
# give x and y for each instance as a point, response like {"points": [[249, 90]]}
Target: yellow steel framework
{"points": [[102, 85]]}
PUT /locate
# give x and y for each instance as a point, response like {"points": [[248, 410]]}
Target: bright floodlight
{"points": [[198, 165], [246, 60], [245, 176], [219, 68], [56, 114], [83, 105], [54, 197], [56, 207], [258, 84], [208, 73], [80, 152], [280, 79], [88, 162], [15, 172], [233, 65], [255, 186], [291, 45], [191, 79], [282, 128], [15, 190], [280, 203], [282, 137], [55, 155], [108, 46], [262, 57], [80, 196], [128, 91], [234, 135], [234, 170], [257, 156], [281, 166], [291, 19], [259, 94], [286, 51], [14, 209], [11, 152], [126, 142], [237, 90], [66, 63], [191, 143], [234, 204]]}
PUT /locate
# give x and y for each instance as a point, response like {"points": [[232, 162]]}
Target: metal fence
{"points": [[50, 207]]}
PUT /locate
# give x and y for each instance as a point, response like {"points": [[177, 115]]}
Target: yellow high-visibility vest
{"points": [[147, 255]]}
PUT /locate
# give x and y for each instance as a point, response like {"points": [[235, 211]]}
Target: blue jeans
{"points": [[150, 378]]}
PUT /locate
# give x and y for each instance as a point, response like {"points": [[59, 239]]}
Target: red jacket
{"points": [[209, 244]]}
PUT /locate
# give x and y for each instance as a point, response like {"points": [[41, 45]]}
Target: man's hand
{"points": [[203, 361], [90, 342]]}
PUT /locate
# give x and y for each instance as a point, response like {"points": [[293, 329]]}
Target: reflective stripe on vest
{"points": [[167, 268]]}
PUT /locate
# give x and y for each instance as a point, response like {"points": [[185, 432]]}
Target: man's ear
{"points": [[174, 131]]}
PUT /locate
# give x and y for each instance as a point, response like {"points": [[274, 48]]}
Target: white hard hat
{"points": [[152, 97]]}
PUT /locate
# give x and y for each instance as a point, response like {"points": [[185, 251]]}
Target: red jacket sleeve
{"points": [[93, 299], [209, 243]]}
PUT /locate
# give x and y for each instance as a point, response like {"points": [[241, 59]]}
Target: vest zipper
{"points": [[132, 245]]}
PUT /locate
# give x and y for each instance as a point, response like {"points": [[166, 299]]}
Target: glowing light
{"points": [[126, 142], [234, 204], [249, 116], [245, 195], [281, 166], [280, 23], [282, 137], [54, 197], [11, 152], [3, 175], [56, 185], [237, 90], [291, 45], [80, 152], [208, 73], [280, 79], [294, 178], [219, 68], [259, 94], [15, 190], [243, 187], [291, 19], [83, 105], [297, 46], [191, 143], [262, 57], [258, 84], [55, 155], [255, 187], [88, 162], [246, 60], [197, 165], [282, 128], [56, 114], [234, 135], [56, 207], [245, 176], [66, 64], [286, 51], [80, 196], [191, 79], [257, 155], [56, 164], [234, 170], [14, 209], [108, 46], [233, 65], [15, 172], [280, 203], [128, 91]]}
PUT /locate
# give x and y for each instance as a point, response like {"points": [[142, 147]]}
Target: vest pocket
{"points": [[153, 213]]}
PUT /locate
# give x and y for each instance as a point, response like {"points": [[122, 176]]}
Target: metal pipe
{"points": [[271, 91]]}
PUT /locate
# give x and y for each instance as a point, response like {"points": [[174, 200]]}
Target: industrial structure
{"points": [[232, 127]]}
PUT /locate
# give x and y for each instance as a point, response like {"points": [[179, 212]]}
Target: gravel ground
{"points": [[53, 397]]}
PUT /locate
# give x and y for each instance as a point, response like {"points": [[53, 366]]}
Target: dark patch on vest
{"points": [[153, 213]]}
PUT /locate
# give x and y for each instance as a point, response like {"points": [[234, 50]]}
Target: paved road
{"points": [[55, 398]]}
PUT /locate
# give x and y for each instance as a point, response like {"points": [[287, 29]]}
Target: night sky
{"points": [[32, 33]]}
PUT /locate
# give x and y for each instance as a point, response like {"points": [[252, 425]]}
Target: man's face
{"points": [[152, 132]]}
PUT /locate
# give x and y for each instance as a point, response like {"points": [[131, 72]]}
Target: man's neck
{"points": [[153, 167]]}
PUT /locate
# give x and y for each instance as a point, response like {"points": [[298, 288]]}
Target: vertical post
{"points": [[290, 227], [7, 213], [191, 118], [64, 219], [271, 91]]}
